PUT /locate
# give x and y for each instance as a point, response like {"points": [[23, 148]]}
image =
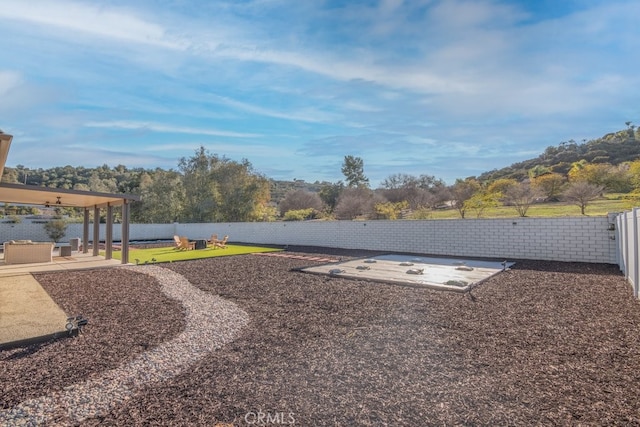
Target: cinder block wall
{"points": [[581, 239]]}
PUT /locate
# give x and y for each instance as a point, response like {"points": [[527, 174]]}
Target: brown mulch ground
{"points": [[120, 306], [543, 344]]}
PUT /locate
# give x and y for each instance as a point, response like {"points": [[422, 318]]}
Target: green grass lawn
{"points": [[169, 254], [600, 207]]}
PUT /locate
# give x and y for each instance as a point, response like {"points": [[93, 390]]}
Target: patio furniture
{"points": [[65, 250], [26, 251], [213, 240], [221, 243], [75, 244], [185, 244], [200, 244]]}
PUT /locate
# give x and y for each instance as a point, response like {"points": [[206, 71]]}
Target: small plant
{"points": [[15, 219], [56, 229]]}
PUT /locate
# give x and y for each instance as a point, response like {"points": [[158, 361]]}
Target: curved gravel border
{"points": [[211, 322]]}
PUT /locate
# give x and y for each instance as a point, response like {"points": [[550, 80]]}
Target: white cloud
{"points": [[157, 127], [434, 77], [92, 19], [9, 80], [305, 115]]}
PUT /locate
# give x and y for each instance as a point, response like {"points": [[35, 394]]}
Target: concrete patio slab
{"points": [[27, 312], [450, 274], [76, 261]]}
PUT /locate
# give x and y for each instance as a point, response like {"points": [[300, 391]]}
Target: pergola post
{"points": [[96, 230], [85, 232], [109, 233], [125, 232]]}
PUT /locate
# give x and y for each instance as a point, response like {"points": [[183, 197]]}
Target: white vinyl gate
{"points": [[628, 234]]}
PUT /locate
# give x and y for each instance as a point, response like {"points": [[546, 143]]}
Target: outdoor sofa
{"points": [[26, 251]]}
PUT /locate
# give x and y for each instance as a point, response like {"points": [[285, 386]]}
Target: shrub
{"points": [[56, 229], [299, 214], [390, 210], [300, 200]]}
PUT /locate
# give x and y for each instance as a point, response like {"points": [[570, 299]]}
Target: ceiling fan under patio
{"points": [[48, 205]]}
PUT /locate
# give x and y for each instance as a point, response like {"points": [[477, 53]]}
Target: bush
{"points": [[56, 229], [357, 203], [390, 210], [300, 200], [299, 214]]}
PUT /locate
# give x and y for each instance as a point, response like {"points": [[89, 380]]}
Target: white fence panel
{"points": [[628, 236]]}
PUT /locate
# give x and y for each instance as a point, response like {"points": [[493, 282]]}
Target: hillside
{"points": [[613, 148]]}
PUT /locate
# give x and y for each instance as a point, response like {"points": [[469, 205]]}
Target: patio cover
{"points": [[33, 195], [45, 196]]}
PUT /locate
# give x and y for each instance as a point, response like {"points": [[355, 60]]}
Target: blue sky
{"points": [[447, 88]]}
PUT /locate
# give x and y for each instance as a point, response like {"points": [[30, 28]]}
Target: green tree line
{"points": [[206, 187]]}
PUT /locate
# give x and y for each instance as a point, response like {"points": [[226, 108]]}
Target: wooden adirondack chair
{"points": [[183, 243], [221, 243]]}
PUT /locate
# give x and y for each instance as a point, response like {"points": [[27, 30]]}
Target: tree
{"points": [[414, 197], [500, 186], [612, 178], [389, 210], [399, 180], [218, 189], [462, 191], [580, 193], [538, 170], [593, 173], [619, 179], [353, 170], [300, 200], [521, 196], [161, 198], [198, 201], [239, 193], [356, 202], [418, 192], [56, 229], [634, 174], [480, 201], [329, 194], [550, 185]]}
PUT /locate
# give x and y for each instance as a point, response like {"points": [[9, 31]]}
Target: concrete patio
{"points": [[27, 312]]}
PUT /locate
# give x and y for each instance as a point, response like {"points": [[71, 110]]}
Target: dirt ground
{"points": [[545, 343]]}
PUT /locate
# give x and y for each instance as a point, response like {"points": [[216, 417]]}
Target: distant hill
{"points": [[614, 148]]}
